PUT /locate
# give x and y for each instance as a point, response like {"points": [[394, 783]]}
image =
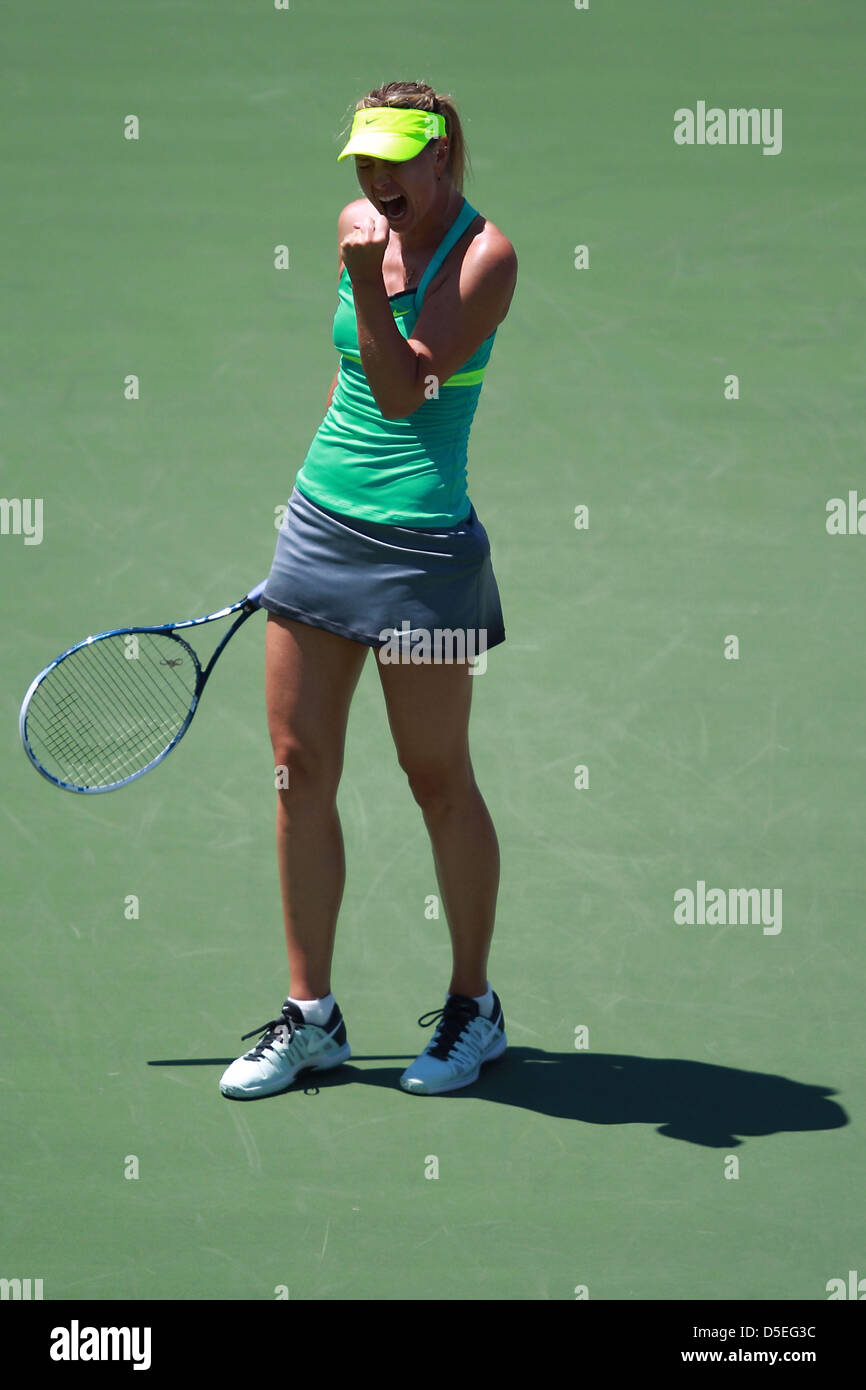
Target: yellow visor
{"points": [[394, 133]]}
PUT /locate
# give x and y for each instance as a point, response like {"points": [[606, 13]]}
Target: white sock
{"points": [[484, 1002], [315, 1010]]}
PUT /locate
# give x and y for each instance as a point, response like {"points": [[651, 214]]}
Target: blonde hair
{"points": [[423, 98]]}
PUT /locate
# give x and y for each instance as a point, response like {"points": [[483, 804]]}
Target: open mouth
{"points": [[394, 208]]}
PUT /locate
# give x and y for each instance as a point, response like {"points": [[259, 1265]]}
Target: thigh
{"points": [[428, 712], [310, 676]]}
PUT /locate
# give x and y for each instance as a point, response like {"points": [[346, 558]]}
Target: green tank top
{"points": [[409, 472]]}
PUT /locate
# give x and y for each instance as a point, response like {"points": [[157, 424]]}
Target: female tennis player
{"points": [[382, 548]]}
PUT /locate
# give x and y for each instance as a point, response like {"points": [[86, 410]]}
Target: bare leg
{"points": [[428, 711], [310, 676]]}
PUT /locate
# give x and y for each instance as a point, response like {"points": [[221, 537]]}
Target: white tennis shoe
{"points": [[288, 1046], [464, 1040]]}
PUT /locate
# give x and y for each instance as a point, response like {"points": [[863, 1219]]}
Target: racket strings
{"points": [[70, 717], [88, 755], [94, 735], [70, 713], [110, 708]]}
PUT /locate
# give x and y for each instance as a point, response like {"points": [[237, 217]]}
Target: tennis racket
{"points": [[113, 706]]}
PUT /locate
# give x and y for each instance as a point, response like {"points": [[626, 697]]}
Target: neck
{"points": [[430, 229]]}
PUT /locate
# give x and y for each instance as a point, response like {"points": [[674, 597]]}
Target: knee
{"points": [[303, 770], [438, 786]]}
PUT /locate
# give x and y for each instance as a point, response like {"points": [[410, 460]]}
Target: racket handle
{"points": [[255, 594]]}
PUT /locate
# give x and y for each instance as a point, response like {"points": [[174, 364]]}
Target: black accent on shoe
{"points": [[335, 1026], [290, 1020], [285, 1027], [459, 1010]]}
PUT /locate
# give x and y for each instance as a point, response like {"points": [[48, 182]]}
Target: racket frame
{"points": [[245, 607]]}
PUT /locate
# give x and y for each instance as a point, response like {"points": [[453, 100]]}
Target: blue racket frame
{"points": [[246, 606]]}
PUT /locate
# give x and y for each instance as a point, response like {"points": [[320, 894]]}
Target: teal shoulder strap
{"points": [[454, 233]]}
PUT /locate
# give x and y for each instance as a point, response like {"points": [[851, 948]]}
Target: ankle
{"points": [[317, 1010]]}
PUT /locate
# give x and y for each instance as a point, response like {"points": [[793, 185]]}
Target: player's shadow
{"points": [[694, 1101]]}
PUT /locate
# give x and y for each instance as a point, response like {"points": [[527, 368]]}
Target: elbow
{"points": [[398, 411], [400, 407]]}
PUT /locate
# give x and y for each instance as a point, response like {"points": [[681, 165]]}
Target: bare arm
{"points": [[454, 321]]}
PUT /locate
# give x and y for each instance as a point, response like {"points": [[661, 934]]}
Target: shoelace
{"points": [[274, 1029], [455, 1016]]}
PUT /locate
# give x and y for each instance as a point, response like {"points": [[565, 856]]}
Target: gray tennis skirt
{"points": [[382, 584]]}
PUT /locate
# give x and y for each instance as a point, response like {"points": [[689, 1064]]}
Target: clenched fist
{"points": [[363, 250]]}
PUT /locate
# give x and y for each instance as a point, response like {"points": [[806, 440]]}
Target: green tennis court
{"points": [[675, 718]]}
